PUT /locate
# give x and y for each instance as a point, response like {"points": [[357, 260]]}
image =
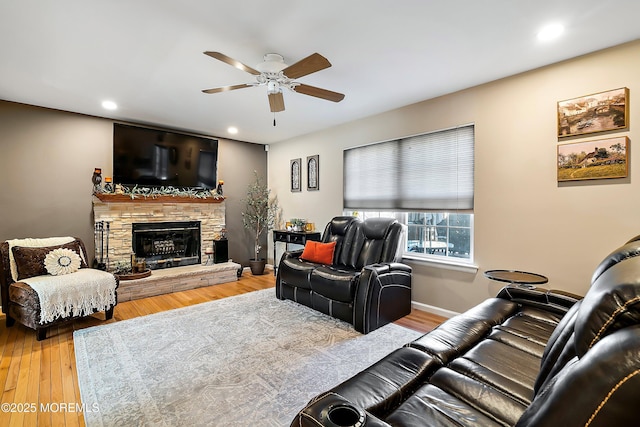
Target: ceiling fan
{"points": [[276, 75]]}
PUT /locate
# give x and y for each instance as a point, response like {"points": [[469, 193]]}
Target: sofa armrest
{"points": [[383, 295], [291, 254], [550, 300], [332, 410]]}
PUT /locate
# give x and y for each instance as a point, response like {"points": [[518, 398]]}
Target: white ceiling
{"points": [[146, 55]]}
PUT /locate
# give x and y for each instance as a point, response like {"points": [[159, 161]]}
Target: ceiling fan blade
{"points": [[224, 58], [319, 93], [226, 88], [276, 102], [310, 64]]}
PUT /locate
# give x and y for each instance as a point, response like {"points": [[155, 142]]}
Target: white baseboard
{"points": [[433, 309]]}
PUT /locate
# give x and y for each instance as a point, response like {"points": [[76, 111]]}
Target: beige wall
{"points": [[47, 159], [524, 219]]}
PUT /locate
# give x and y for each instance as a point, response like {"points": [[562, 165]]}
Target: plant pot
{"points": [[257, 266]]}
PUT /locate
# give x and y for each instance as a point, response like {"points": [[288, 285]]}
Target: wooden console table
{"points": [[295, 237]]}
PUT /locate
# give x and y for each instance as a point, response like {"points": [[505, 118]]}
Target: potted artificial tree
{"points": [[261, 211]]}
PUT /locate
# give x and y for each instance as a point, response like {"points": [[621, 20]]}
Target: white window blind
{"points": [[433, 171]]}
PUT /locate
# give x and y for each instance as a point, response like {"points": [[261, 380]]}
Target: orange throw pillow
{"points": [[321, 253]]}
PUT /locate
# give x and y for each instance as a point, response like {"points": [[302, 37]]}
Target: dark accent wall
{"points": [[47, 158]]}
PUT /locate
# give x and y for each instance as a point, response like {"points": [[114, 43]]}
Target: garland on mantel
{"points": [[154, 192]]}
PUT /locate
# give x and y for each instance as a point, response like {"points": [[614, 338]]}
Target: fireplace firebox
{"points": [[167, 244]]}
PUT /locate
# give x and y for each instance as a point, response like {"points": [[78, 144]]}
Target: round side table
{"points": [[516, 278]]}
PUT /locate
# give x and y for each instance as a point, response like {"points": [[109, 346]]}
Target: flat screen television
{"points": [[152, 157]]}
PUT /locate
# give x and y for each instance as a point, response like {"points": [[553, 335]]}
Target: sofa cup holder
{"points": [[345, 416]]}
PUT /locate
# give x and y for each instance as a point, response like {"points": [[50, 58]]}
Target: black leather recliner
{"points": [[526, 358], [364, 285]]}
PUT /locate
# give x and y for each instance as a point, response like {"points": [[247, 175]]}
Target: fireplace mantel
{"points": [[110, 198]]}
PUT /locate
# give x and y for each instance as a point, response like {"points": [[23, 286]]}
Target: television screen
{"points": [[152, 157]]}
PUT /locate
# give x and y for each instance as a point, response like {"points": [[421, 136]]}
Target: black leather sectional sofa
{"points": [[364, 285], [526, 358]]}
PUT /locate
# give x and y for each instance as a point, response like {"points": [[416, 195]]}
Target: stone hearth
{"points": [[177, 279]]}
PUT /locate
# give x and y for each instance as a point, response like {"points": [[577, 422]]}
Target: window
{"points": [[426, 182], [440, 234], [432, 235]]}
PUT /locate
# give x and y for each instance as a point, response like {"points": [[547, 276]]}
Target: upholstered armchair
{"points": [[45, 282]]}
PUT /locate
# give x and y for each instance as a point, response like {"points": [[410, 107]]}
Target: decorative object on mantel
{"points": [[313, 176], [152, 192], [124, 193], [97, 179], [108, 185], [261, 211], [598, 112], [219, 187]]}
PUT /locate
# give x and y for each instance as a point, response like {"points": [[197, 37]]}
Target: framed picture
{"points": [[313, 177], [599, 112], [600, 159], [296, 178]]}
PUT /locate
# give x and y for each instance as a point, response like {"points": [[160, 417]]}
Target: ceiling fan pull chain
{"points": [[274, 119]]}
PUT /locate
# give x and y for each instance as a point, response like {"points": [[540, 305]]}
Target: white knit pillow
{"points": [[61, 261]]}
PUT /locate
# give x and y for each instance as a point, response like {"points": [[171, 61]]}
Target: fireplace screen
{"points": [[167, 244]]}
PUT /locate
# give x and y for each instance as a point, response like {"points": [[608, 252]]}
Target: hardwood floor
{"points": [[39, 379]]}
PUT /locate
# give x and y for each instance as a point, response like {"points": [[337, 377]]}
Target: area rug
{"points": [[248, 360]]}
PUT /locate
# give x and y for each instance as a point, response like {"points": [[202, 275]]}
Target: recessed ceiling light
{"points": [[232, 130], [109, 105], [550, 32]]}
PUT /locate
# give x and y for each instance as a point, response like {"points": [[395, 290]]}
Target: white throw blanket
{"points": [[76, 294]]}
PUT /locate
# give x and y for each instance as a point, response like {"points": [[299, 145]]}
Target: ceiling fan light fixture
{"points": [[272, 64]]}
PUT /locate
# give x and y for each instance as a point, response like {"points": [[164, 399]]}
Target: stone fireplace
{"points": [[161, 240], [170, 227]]}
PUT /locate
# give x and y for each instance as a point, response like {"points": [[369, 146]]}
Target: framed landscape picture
{"points": [[599, 112], [296, 171], [600, 159]]}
